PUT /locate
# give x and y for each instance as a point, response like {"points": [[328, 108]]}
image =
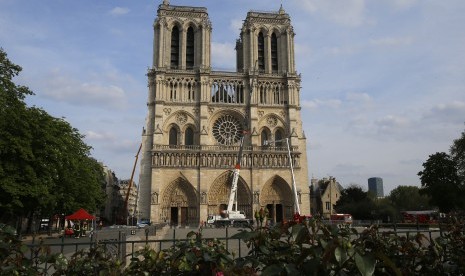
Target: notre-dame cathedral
{"points": [[197, 117]]}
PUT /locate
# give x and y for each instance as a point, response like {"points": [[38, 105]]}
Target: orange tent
{"points": [[80, 214]]}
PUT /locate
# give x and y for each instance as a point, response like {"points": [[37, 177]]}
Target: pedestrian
{"points": [[77, 230]]}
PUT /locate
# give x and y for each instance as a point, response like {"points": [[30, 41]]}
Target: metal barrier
{"points": [[122, 248], [119, 247]]}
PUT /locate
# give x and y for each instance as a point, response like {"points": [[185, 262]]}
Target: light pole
{"points": [[294, 188]]}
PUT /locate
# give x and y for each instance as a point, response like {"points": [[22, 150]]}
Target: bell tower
{"points": [[181, 38], [266, 43]]}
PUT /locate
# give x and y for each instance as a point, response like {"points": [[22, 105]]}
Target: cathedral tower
{"points": [[197, 116]]}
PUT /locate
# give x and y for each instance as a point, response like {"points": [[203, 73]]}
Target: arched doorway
{"points": [[218, 195], [179, 205], [276, 196]]}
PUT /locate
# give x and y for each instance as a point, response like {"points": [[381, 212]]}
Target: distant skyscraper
{"points": [[375, 186]]}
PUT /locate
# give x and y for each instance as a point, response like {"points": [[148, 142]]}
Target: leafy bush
{"points": [[196, 256], [310, 248]]}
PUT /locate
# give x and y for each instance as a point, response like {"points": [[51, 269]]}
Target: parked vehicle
{"points": [[427, 216], [341, 218]]}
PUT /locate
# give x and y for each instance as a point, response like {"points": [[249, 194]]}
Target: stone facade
{"points": [[132, 197], [324, 195], [197, 117], [109, 212]]}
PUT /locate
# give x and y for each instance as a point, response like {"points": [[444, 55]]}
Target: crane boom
{"points": [[130, 182], [294, 187], [237, 169]]}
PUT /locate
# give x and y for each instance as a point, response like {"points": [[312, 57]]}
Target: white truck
{"points": [[236, 220]]}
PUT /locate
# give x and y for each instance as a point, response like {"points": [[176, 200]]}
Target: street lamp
{"points": [[294, 188]]}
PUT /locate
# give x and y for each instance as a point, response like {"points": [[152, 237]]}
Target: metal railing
{"points": [[120, 247], [124, 249]]}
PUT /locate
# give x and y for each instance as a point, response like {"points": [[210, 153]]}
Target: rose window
{"points": [[227, 130]]}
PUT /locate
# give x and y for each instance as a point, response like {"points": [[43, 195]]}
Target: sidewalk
{"points": [[37, 237]]}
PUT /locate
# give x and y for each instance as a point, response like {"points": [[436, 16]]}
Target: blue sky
{"points": [[383, 81]]}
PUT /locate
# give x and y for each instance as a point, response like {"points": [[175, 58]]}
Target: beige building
{"points": [[131, 196], [109, 212], [116, 191], [324, 194], [197, 117]]}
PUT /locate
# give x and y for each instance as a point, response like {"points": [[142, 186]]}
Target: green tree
{"points": [[385, 210], [19, 185], [356, 202], [440, 181], [44, 163], [457, 151], [409, 198]]}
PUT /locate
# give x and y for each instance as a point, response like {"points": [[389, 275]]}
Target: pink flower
{"points": [[219, 273]]}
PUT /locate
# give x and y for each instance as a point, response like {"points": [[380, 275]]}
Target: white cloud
{"points": [[392, 124], [453, 112], [403, 4], [72, 91], [99, 136], [391, 41], [317, 103], [303, 50], [116, 11], [345, 12], [341, 50], [236, 26], [223, 55], [358, 97], [392, 121]]}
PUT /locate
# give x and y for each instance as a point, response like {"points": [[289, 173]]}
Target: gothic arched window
{"points": [[189, 137], [175, 47], [274, 53], [190, 48], [264, 137], [173, 136], [261, 52], [278, 135]]}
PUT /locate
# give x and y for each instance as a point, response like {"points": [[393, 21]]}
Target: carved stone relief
{"points": [[272, 121], [167, 111], [154, 198], [181, 118]]}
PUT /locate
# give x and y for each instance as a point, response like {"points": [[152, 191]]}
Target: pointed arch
{"points": [[218, 195], [261, 51], [276, 195], [265, 136], [179, 203], [173, 136], [175, 47], [279, 135], [190, 48], [274, 52], [189, 136]]}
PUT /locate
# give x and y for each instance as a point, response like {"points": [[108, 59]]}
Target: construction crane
{"points": [[233, 194], [231, 217], [297, 216], [125, 209]]}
